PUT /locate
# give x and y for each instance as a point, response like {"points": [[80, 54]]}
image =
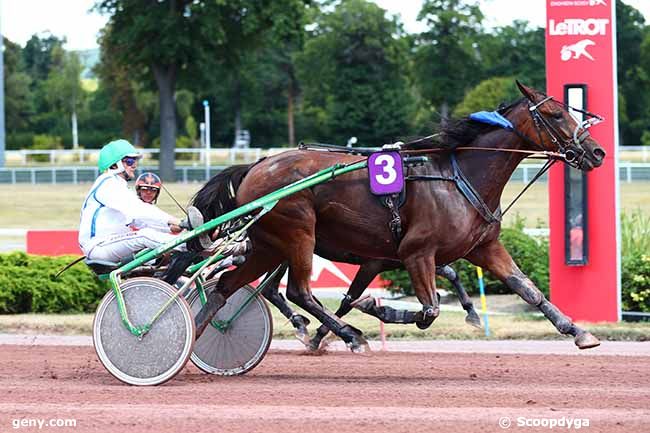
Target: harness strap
{"points": [[395, 224], [466, 189], [472, 196]]}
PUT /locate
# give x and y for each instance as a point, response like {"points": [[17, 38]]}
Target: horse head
{"points": [[551, 125]]}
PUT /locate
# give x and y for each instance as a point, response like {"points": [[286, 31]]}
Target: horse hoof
{"points": [[473, 319], [303, 336], [586, 341], [316, 344], [359, 347]]}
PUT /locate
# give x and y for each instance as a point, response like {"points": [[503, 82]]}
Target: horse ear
{"points": [[526, 91]]}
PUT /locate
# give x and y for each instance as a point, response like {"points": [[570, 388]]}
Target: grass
{"points": [[57, 206], [450, 325]]}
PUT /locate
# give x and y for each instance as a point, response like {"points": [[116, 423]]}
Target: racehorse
{"points": [[210, 204], [451, 211]]}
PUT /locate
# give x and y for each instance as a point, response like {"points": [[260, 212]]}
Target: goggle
{"points": [[147, 188], [129, 161]]}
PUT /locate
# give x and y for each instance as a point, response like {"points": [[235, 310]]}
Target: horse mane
{"points": [[215, 198], [452, 133]]}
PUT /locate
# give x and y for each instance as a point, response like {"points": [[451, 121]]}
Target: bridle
{"points": [[572, 147]]}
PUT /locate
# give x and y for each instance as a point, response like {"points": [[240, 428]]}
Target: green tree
{"points": [[487, 95], [18, 96], [446, 62], [633, 73], [37, 55], [516, 50], [354, 73], [133, 100], [168, 38], [63, 90]]}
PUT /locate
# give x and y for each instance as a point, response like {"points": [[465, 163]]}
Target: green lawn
{"points": [[57, 206]]}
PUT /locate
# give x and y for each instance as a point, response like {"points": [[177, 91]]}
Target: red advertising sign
{"points": [[581, 50], [325, 274]]}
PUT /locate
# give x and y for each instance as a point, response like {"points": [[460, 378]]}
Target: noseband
{"points": [[571, 147]]}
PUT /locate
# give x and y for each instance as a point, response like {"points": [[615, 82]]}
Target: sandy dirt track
{"points": [[335, 393]]}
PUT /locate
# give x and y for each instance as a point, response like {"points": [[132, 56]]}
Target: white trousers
{"points": [[115, 248]]}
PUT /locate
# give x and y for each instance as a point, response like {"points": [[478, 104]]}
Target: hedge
{"points": [[27, 285]]}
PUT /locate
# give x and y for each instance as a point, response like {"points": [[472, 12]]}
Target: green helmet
{"points": [[114, 152]]}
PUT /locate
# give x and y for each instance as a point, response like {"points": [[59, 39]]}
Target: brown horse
{"points": [[451, 211]]}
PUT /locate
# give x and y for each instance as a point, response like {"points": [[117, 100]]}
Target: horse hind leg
{"points": [[298, 321], [472, 317], [366, 273], [298, 292]]}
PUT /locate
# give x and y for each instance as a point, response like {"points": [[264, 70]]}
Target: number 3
{"points": [[389, 175]]}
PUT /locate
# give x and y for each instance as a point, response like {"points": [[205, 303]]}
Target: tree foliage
{"points": [[488, 95], [354, 69], [446, 59]]}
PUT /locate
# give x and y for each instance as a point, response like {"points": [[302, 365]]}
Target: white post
{"points": [[206, 107], [75, 135], [202, 140]]}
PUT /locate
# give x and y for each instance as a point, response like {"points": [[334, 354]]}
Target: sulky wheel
{"points": [[245, 340], [158, 355]]}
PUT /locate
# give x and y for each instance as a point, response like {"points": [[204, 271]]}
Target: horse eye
{"points": [[558, 115]]}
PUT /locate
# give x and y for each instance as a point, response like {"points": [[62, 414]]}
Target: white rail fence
{"points": [[628, 172], [25, 157], [222, 156]]}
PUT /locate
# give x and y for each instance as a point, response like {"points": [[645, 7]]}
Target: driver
{"points": [[147, 187], [111, 209]]}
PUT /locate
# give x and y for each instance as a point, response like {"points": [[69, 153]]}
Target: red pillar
{"points": [[581, 49]]}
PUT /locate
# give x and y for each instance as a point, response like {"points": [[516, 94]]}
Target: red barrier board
{"points": [[53, 242], [580, 49]]}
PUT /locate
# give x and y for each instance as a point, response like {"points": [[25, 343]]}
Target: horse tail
{"points": [[218, 196]]}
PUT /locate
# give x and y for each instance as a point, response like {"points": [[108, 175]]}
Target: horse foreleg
{"points": [[298, 321], [448, 272], [494, 257], [422, 271]]}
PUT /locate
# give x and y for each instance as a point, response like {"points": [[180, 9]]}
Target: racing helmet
{"points": [[113, 152], [148, 181]]}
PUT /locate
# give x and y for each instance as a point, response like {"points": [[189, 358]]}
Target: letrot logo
{"points": [[577, 50], [597, 3], [578, 27]]}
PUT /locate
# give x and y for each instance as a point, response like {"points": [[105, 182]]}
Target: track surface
{"points": [[337, 392]]}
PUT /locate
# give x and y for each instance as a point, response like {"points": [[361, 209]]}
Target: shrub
{"points": [[635, 262], [45, 142], [27, 285], [636, 282]]}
